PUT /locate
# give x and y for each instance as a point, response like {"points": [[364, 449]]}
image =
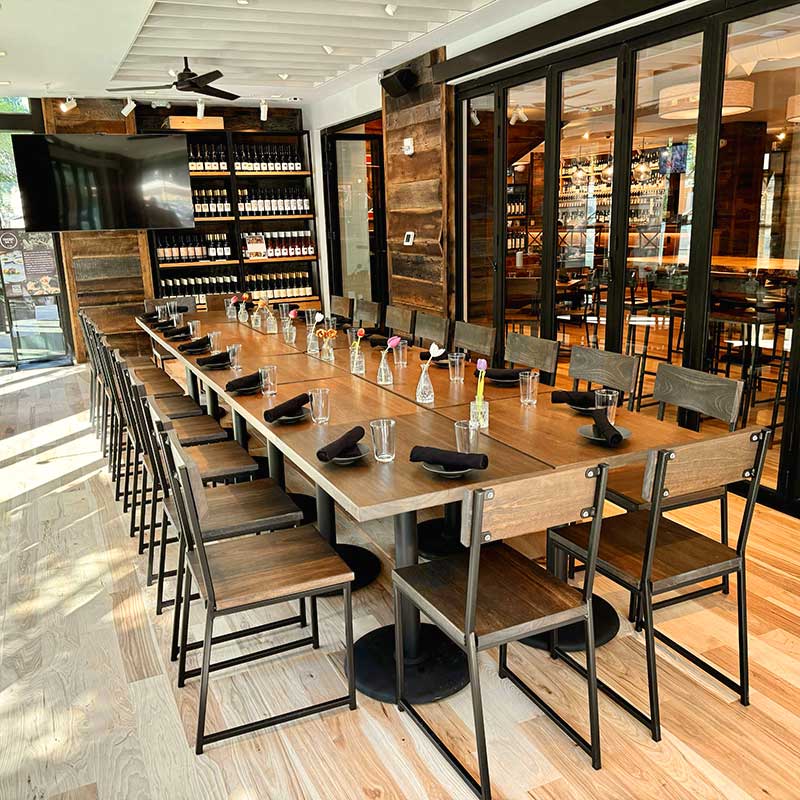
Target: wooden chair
{"points": [[367, 314], [342, 307], [707, 394], [249, 572], [431, 328], [612, 370], [399, 320], [474, 339], [493, 595], [650, 555], [530, 351]]}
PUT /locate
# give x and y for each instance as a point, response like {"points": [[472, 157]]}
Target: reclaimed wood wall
{"points": [[419, 192]]}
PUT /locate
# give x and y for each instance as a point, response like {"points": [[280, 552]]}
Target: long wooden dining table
{"points": [[520, 440]]}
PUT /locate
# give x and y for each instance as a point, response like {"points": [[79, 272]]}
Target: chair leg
{"points": [[303, 616], [348, 632], [204, 675], [502, 661], [477, 713], [723, 536], [591, 683], [151, 532], [135, 493], [162, 562], [176, 610], [315, 622], [744, 661], [126, 496], [143, 509], [646, 602], [187, 595]]}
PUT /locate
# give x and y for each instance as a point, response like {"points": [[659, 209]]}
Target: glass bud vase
{"points": [[230, 312], [312, 345], [385, 377], [271, 324], [357, 364], [256, 320], [289, 333], [479, 413], [326, 353], [424, 387], [243, 316]]}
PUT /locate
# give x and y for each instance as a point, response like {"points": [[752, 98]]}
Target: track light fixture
{"points": [[68, 105], [127, 109], [473, 115], [390, 9], [328, 49], [264, 108], [201, 108], [521, 115]]}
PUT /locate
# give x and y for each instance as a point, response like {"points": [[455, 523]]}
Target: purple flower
{"points": [[393, 341], [482, 365]]}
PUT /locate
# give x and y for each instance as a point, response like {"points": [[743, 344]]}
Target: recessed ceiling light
{"points": [[150, 91], [243, 2], [5, 83], [284, 76], [390, 9], [328, 49], [585, 135], [294, 99], [3, 53]]}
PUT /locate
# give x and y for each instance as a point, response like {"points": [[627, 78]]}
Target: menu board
{"points": [[28, 264]]}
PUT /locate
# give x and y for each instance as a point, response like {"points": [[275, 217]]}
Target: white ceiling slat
{"points": [[282, 35], [163, 64], [420, 6], [250, 51]]}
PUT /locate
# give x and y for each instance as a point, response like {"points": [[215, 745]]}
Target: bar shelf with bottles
{"points": [[243, 183]]}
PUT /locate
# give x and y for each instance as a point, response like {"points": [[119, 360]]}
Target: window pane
{"points": [[524, 204], [10, 202], [15, 105]]}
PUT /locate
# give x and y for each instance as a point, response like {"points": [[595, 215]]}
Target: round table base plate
{"points": [[572, 638], [365, 564], [307, 504], [433, 541], [441, 672]]}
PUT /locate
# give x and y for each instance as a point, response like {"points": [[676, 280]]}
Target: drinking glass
{"points": [[330, 323], [351, 336], [320, 405], [283, 310], [213, 340], [172, 307], [233, 355], [383, 439], [194, 329], [401, 354], [310, 313], [456, 363], [177, 319], [607, 399], [528, 387], [467, 436], [163, 312], [269, 380]]}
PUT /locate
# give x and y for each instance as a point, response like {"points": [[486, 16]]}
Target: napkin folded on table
{"points": [[503, 374], [289, 408], [149, 316], [450, 459], [181, 330], [161, 326], [578, 399], [377, 340], [219, 358], [603, 428], [196, 345], [245, 382], [425, 355], [346, 446]]}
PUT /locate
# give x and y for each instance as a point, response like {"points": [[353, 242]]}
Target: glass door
{"points": [[357, 216]]}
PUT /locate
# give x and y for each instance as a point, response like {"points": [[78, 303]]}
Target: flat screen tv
{"points": [[92, 181]]}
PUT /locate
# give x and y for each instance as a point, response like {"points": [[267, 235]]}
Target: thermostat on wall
{"points": [[408, 239]]}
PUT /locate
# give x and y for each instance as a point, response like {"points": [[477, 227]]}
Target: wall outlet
{"points": [[408, 239], [408, 146]]}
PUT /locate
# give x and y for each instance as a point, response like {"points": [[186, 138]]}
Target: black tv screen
{"points": [[90, 182]]}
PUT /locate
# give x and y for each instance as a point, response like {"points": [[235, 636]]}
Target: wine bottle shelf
{"points": [[210, 174], [214, 219], [179, 264], [292, 174], [278, 260], [248, 217]]}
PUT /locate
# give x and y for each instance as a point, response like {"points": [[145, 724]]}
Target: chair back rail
{"points": [[531, 351], [474, 338], [342, 306], [399, 320], [614, 370], [712, 395], [431, 328], [367, 313]]}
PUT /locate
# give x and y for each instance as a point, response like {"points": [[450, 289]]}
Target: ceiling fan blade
{"points": [[213, 92], [139, 88], [208, 77]]}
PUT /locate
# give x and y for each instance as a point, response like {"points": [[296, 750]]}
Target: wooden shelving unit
{"points": [[176, 277]]}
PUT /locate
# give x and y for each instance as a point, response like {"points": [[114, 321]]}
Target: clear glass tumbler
{"points": [[401, 354], [528, 387], [607, 399], [234, 351], [456, 363], [213, 340], [383, 439], [467, 436], [320, 405], [269, 379], [194, 329]]}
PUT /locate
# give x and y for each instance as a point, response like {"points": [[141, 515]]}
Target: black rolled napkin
{"points": [[245, 382], [219, 358], [377, 340], [149, 316], [503, 374], [181, 330], [289, 408], [449, 459], [577, 399], [162, 326], [182, 309], [345, 446], [603, 428], [196, 345], [425, 355]]}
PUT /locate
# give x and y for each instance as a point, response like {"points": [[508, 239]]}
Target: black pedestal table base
{"points": [[441, 536], [439, 670], [571, 638], [307, 504], [365, 564]]}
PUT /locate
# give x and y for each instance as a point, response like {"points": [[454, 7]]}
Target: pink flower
{"points": [[235, 298], [293, 313], [393, 341], [482, 365]]}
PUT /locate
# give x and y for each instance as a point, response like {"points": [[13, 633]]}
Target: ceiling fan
{"points": [[187, 81]]}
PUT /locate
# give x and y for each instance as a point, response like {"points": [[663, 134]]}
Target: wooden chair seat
{"points": [[257, 569], [198, 430], [139, 362], [681, 556], [516, 596], [179, 407], [221, 460], [625, 489], [162, 387], [249, 507]]}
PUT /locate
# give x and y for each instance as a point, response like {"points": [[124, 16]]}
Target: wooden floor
{"points": [[89, 706]]}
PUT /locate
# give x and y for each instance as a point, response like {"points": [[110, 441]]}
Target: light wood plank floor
{"points": [[89, 706]]}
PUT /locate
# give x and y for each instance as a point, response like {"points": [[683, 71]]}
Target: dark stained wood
{"points": [[198, 430], [178, 407], [432, 328], [474, 338], [531, 351], [220, 460], [240, 119], [100, 115], [399, 320], [603, 367], [712, 395]]}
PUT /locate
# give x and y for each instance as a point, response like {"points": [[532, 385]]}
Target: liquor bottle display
{"points": [[191, 247], [211, 203], [205, 157], [277, 244], [278, 285], [199, 285], [266, 158], [263, 202]]}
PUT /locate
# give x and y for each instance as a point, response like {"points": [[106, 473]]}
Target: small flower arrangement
{"points": [[482, 366], [479, 408], [385, 377], [293, 314], [360, 334], [424, 393], [434, 351]]}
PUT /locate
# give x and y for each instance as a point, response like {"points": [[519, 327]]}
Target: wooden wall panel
{"points": [[419, 191]]}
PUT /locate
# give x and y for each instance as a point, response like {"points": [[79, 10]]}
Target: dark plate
{"points": [[586, 412], [184, 338], [249, 390], [587, 431], [304, 413], [196, 352], [504, 381], [363, 450], [441, 364], [438, 469], [216, 366]]}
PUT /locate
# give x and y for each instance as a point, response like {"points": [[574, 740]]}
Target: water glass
{"points": [[283, 310], [163, 313], [607, 399], [455, 361], [310, 313], [289, 332], [528, 387], [400, 354], [233, 354], [467, 436], [213, 340], [351, 336], [177, 319], [172, 307], [194, 329], [383, 439], [320, 405], [269, 380]]}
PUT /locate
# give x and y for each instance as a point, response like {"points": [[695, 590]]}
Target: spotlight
{"points": [[68, 105], [781, 136], [521, 115], [127, 109], [201, 108], [390, 9], [585, 136], [243, 2], [473, 115], [514, 117], [328, 49], [264, 107]]}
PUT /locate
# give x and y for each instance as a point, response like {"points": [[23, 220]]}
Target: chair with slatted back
{"points": [[711, 395], [249, 572], [648, 554], [612, 370], [342, 308], [492, 595], [185, 305], [474, 339], [366, 314], [431, 328], [531, 351], [399, 321]]}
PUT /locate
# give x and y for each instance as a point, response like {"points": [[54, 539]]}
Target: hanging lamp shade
{"points": [[683, 101], [793, 108]]}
